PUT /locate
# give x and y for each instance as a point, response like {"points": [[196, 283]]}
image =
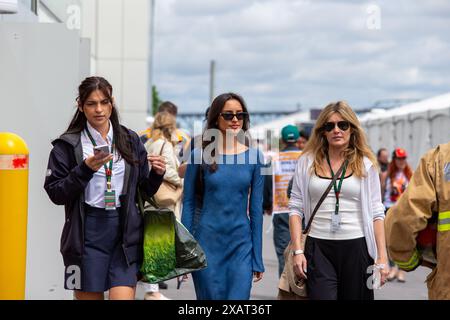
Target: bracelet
{"points": [[380, 266], [297, 252]]}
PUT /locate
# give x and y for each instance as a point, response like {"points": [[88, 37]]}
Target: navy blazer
{"points": [[67, 178]]}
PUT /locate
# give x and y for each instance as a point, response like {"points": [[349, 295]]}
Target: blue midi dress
{"points": [[229, 226]]}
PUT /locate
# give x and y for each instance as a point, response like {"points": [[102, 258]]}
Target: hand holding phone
{"points": [[97, 161], [101, 156], [101, 151]]}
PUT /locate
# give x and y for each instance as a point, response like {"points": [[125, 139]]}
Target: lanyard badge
{"points": [[110, 193], [336, 217]]}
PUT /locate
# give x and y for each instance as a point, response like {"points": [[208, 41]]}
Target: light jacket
{"points": [[168, 152], [371, 204], [427, 195], [166, 149]]}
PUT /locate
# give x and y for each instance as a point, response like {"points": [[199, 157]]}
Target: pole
{"points": [[34, 6], [13, 216], [150, 56], [212, 76]]}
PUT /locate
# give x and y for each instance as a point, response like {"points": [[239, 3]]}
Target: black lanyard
{"points": [[337, 188], [108, 171]]}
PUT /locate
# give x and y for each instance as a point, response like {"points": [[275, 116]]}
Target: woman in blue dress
{"points": [[227, 221]]}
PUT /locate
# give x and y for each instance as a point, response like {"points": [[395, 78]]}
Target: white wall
{"points": [[40, 71]]}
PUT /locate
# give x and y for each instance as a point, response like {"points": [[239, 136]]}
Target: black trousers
{"points": [[338, 269]]}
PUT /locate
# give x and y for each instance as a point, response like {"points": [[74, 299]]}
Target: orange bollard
{"points": [[14, 157]]}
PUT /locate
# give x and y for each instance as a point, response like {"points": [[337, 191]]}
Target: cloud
{"points": [[280, 53]]}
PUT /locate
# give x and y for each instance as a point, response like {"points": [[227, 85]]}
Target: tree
{"points": [[156, 100]]}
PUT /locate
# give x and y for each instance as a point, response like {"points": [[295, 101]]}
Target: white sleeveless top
{"points": [[352, 225]]}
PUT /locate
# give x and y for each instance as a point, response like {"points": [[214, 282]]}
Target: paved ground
{"points": [[413, 289]]}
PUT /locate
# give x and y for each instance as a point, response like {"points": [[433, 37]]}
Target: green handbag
{"points": [[169, 249]]}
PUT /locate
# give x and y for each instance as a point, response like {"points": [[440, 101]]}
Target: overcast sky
{"points": [[278, 53]]}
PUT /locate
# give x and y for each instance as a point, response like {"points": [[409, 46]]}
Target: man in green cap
{"points": [[275, 187]]}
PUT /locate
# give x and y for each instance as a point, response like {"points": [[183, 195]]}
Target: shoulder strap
{"points": [[142, 198], [162, 148], [324, 195]]}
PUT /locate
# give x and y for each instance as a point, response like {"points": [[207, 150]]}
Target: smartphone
{"points": [[103, 149]]}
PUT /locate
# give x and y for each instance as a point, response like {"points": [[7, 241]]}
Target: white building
{"points": [[119, 33]]}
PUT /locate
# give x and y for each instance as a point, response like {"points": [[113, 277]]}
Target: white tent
{"points": [[416, 127], [260, 131]]}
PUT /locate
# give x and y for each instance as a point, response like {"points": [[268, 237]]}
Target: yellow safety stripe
{"points": [[411, 263], [443, 227], [444, 215], [444, 221]]}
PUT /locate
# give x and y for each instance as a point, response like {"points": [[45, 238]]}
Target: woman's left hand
{"points": [[384, 269], [157, 163], [257, 276]]}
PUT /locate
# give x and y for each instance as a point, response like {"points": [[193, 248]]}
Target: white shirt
{"points": [[95, 190], [351, 223], [371, 205]]}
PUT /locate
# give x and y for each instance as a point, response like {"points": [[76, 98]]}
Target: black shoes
{"points": [[163, 285]]}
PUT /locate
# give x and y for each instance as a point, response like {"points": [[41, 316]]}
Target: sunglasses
{"points": [[228, 116], [343, 125]]}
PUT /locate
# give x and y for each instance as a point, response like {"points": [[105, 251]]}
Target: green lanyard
{"points": [[108, 171], [337, 188]]}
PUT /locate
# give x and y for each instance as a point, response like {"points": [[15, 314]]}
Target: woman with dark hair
{"points": [[398, 175], [226, 174], [94, 170], [346, 236]]}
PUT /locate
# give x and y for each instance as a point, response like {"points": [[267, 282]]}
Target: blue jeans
{"points": [[281, 237]]}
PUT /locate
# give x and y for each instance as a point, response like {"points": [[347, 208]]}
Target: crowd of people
{"points": [[226, 185]]}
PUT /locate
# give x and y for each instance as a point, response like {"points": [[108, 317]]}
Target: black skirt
{"points": [[104, 265]]}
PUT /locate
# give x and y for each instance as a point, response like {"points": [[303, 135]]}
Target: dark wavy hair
{"points": [[122, 139], [213, 117]]}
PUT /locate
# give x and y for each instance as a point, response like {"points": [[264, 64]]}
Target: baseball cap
{"points": [[399, 153], [290, 133]]}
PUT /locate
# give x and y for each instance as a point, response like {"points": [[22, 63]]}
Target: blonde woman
{"points": [[347, 233], [162, 141]]}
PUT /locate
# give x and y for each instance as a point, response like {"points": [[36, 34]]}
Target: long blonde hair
{"points": [[163, 126], [317, 145]]}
